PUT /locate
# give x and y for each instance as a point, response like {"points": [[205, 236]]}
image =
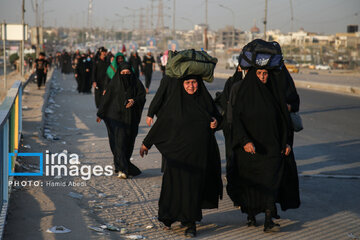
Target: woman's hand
{"points": [[250, 148], [98, 120], [143, 150], [130, 103], [287, 150], [149, 121], [214, 123]]}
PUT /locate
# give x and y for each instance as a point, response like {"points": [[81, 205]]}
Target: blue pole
{"points": [[5, 162], [20, 111]]}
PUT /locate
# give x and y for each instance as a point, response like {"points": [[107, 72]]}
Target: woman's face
{"points": [[263, 75], [125, 71], [120, 59], [191, 86]]}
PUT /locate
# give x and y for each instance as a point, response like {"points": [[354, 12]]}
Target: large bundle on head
{"points": [[261, 54], [191, 62]]}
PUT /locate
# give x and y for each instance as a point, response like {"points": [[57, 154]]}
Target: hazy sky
{"points": [[322, 16]]}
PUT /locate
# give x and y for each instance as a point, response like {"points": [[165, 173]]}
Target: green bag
{"points": [[191, 62]]}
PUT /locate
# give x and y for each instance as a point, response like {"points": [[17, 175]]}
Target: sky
{"points": [[320, 16]]}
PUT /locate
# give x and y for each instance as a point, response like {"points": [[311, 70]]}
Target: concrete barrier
{"points": [[328, 87]]}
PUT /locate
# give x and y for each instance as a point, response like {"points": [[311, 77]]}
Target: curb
{"points": [[328, 87], [45, 101], [336, 88]]}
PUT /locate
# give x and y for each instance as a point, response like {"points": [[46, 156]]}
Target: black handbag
{"points": [[296, 122]]}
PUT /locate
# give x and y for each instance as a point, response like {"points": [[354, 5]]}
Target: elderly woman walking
{"points": [[261, 131], [185, 137]]}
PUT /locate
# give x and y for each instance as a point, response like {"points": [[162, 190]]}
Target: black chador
{"points": [[66, 66], [148, 62], [136, 64], [260, 116], [163, 93], [84, 71], [222, 100], [192, 177], [122, 123], [100, 78], [289, 196]]}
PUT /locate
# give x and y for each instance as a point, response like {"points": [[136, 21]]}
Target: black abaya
{"points": [[84, 75], [192, 177], [100, 77], [259, 116], [122, 123], [66, 63]]}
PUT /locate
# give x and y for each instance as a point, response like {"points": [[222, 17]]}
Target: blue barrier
{"points": [[10, 134]]}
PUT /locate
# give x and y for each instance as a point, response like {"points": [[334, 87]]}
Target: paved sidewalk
{"points": [[330, 207]]}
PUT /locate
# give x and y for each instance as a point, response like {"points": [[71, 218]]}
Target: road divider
{"points": [[328, 87]]}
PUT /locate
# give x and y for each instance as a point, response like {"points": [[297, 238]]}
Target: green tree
{"points": [[13, 57]]}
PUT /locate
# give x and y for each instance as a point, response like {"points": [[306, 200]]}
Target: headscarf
{"points": [[114, 66], [121, 88]]}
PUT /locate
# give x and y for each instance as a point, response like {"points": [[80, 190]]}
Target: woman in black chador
{"points": [[185, 137], [121, 108], [261, 131]]}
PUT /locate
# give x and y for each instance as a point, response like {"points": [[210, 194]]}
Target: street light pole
{"points": [[173, 23], [4, 36], [233, 15], [206, 26], [23, 38], [265, 19]]}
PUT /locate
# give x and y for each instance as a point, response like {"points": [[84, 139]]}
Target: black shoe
{"points": [[184, 224], [190, 232], [251, 221], [167, 225], [271, 227]]}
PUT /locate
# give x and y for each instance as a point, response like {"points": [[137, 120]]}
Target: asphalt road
{"points": [[330, 141]]}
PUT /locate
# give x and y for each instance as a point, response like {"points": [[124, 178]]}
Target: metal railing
{"points": [[10, 134]]}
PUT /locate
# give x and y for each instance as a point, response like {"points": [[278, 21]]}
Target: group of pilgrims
{"points": [[97, 69], [253, 111]]}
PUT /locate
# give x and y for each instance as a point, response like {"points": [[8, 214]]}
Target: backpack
{"points": [[191, 62], [261, 54]]}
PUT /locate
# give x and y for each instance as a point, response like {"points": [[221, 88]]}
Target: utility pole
{"points": [[160, 18], [4, 47], [206, 12], [152, 16], [206, 26], [90, 7], [37, 29], [265, 19], [42, 14], [23, 38], [173, 23], [292, 22]]}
